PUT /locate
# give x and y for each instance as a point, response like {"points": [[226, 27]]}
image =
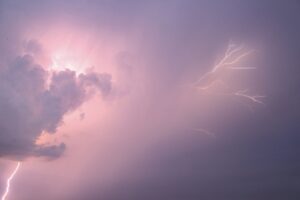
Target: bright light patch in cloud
{"points": [[61, 62]]}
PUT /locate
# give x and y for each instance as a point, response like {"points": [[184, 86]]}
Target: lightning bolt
{"points": [[234, 54], [213, 79], [9, 180], [231, 57]]}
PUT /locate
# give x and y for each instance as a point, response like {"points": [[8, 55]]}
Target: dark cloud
{"points": [[33, 46], [30, 105]]}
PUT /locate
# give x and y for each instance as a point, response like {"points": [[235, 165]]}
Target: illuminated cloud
{"points": [[34, 100]]}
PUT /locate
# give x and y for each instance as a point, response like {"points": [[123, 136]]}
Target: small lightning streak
{"points": [[204, 131], [253, 98], [9, 180]]}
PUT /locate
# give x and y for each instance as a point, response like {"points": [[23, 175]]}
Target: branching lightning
{"points": [[214, 78], [9, 180], [234, 54]]}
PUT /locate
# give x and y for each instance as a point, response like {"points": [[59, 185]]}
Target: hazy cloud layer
{"points": [[144, 146]]}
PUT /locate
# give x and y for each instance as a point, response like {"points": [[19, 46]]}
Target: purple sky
{"points": [[126, 120]]}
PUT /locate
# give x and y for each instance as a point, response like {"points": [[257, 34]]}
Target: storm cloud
{"points": [[34, 100], [163, 139]]}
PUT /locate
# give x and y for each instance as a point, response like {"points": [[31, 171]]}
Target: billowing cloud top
{"points": [[33, 100]]}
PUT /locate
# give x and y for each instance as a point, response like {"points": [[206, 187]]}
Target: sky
{"points": [[130, 100]]}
